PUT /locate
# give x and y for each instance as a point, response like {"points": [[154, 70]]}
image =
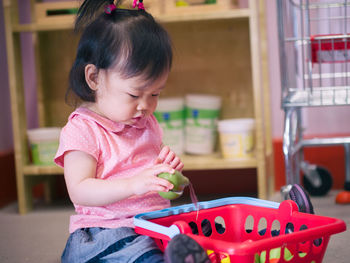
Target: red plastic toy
{"points": [[250, 232]]}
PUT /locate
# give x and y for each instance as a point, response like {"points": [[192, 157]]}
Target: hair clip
{"points": [[139, 4], [110, 8]]}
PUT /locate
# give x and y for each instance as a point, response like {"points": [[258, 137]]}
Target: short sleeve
{"points": [[77, 135]]}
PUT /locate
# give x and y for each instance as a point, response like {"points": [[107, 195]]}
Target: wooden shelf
{"points": [[33, 27], [223, 55], [227, 14], [66, 24], [215, 161], [192, 162], [42, 169]]}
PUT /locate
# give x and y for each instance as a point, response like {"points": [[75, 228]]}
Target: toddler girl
{"points": [[111, 148]]}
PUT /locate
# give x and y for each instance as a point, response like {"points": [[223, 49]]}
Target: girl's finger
{"points": [[163, 153], [159, 188], [163, 168], [170, 157], [157, 161], [161, 182], [175, 162], [179, 167]]}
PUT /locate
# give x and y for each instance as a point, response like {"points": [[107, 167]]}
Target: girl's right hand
{"points": [[148, 180]]}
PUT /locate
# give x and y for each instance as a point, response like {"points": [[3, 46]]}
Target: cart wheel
{"points": [[326, 183]]}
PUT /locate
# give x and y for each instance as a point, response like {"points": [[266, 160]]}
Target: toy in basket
{"points": [[242, 229]]}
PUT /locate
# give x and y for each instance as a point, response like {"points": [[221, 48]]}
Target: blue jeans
{"points": [[110, 245]]}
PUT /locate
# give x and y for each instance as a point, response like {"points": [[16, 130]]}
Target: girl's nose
{"points": [[143, 105]]}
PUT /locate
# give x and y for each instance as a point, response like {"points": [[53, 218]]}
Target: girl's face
{"points": [[126, 100]]}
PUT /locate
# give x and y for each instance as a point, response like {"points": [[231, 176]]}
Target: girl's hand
{"points": [[167, 156], [148, 181]]}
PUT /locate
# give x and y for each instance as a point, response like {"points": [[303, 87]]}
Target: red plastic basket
{"points": [[252, 230]]}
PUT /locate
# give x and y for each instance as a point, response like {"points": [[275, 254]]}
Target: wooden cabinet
{"points": [[220, 52]]}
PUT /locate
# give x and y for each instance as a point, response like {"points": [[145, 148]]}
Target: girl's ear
{"points": [[91, 76]]}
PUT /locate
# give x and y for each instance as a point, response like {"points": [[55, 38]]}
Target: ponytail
{"points": [[89, 10]]}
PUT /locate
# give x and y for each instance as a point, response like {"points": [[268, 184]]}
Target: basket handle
{"points": [[155, 230]]}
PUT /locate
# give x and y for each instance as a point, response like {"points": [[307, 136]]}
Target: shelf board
{"points": [[42, 169], [224, 14], [34, 27], [68, 24], [192, 162], [215, 161]]}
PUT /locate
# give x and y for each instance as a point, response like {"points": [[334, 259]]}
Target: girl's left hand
{"points": [[167, 156]]}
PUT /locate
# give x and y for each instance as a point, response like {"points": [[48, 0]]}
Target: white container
{"points": [[44, 144], [202, 112], [237, 138], [170, 114]]}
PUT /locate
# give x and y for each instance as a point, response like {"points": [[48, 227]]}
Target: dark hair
{"points": [[129, 39]]}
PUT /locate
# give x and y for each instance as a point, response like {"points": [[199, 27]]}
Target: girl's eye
{"points": [[133, 96], [155, 95]]}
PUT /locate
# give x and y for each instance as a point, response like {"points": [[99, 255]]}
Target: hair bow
{"points": [[139, 4]]}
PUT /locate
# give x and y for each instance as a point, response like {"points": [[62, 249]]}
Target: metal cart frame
{"points": [[314, 45]]}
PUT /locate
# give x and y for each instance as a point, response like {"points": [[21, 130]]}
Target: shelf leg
{"points": [[49, 188], [25, 194]]}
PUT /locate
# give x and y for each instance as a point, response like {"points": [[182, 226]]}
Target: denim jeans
{"points": [[110, 245]]}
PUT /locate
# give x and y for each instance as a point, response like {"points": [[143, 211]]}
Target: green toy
{"points": [[178, 180]]}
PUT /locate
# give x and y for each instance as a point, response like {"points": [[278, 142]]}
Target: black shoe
{"points": [[301, 197], [183, 249]]}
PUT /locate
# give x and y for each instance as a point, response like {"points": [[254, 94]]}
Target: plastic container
{"points": [[170, 114], [202, 112], [44, 144], [237, 138], [242, 229]]}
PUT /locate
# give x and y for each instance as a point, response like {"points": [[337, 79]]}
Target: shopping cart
{"points": [[314, 43], [242, 229]]}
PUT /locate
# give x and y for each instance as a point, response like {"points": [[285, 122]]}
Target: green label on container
{"points": [[201, 113], [43, 153], [171, 120], [201, 118], [169, 115]]}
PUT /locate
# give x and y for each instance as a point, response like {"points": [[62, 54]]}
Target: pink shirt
{"points": [[120, 151]]}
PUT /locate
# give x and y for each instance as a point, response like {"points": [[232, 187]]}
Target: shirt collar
{"points": [[106, 123]]}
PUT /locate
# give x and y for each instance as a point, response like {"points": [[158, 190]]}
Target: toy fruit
{"points": [[178, 180], [343, 197]]}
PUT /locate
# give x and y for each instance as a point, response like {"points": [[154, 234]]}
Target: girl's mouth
{"points": [[138, 118]]}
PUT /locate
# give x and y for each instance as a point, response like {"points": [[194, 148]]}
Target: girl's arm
{"points": [[85, 189]]}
